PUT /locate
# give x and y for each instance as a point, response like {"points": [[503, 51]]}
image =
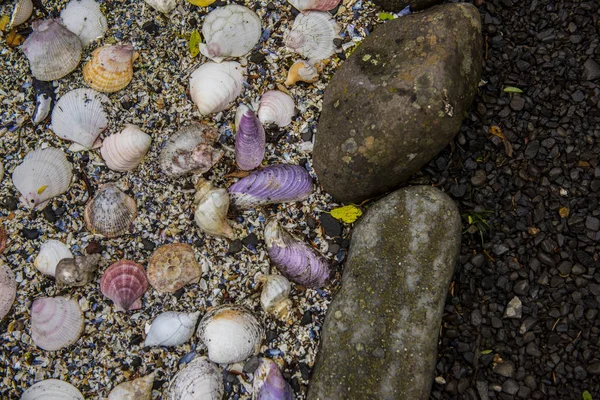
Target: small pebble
{"points": [[30, 233], [331, 225]]}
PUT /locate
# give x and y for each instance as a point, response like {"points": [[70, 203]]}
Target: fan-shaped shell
{"points": [[124, 151], [110, 69], [43, 174], [213, 87], [230, 31], [137, 389], [52, 50], [172, 266], [276, 108], [84, 18], [317, 5], [312, 35], [171, 328], [124, 282], [111, 212], [163, 6], [250, 139], [21, 12], [56, 322], [51, 252], [52, 389], [8, 289], [200, 379], [302, 71]]}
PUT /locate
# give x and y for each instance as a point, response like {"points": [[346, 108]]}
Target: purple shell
{"points": [[295, 259], [269, 384], [279, 183], [249, 139]]}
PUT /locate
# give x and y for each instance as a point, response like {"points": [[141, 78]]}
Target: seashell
{"points": [[124, 282], [125, 151], [278, 183], [275, 295], [53, 51], [190, 150], [79, 117], [52, 389], [315, 5], [51, 252], [172, 329], [111, 212], [250, 139], [277, 108], [163, 6], [230, 31], [295, 259], [56, 322], [269, 383], [137, 389], [8, 289], [213, 87], [231, 333], [3, 239], [78, 271], [172, 266], [84, 18], [21, 13], [212, 205], [43, 174], [312, 35], [200, 379], [111, 68], [302, 71], [44, 95]]}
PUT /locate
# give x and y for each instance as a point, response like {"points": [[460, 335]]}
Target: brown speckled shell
{"points": [[173, 266], [111, 212], [8, 289], [124, 283]]}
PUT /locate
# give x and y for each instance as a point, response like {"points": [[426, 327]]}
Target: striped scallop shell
{"points": [[213, 87], [56, 322], [52, 389], [111, 212], [21, 12], [110, 69], [277, 108], [137, 389], [84, 18], [8, 289], [51, 252], [312, 35], [124, 283], [200, 379], [172, 266], [316, 5], [125, 151]]}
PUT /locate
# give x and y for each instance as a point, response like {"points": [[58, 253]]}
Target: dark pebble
{"points": [[135, 362], [235, 246], [250, 241], [477, 260], [231, 378], [257, 57], [521, 287], [60, 211], [591, 70], [136, 340], [306, 318], [510, 386], [592, 223], [49, 214], [594, 369], [307, 135], [148, 244], [334, 248], [251, 365], [271, 335], [94, 247], [578, 96], [532, 149], [517, 103], [546, 259], [151, 27], [479, 178], [506, 369], [331, 225], [11, 203], [30, 233], [178, 293], [305, 371]]}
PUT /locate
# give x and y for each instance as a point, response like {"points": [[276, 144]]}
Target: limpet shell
{"points": [[172, 266], [84, 18], [110, 69], [52, 389], [56, 322], [8, 289], [111, 212], [200, 379], [51, 252], [124, 282]]}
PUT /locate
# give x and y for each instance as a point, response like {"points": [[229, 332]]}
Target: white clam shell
{"points": [[51, 252], [124, 151], [312, 35], [171, 328], [21, 12], [277, 108], [52, 389], [85, 19], [163, 6], [56, 322], [137, 389], [213, 87], [200, 379], [230, 31], [212, 205]]}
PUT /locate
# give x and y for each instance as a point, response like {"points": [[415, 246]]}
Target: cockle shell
{"points": [[52, 50], [294, 258], [230, 31], [213, 87], [124, 151], [52, 389], [84, 18], [111, 212], [43, 174], [200, 379], [56, 322], [277, 108], [172, 328], [317, 5], [269, 383], [275, 295], [302, 71], [163, 6], [190, 150], [212, 205], [250, 139], [124, 282], [231, 333], [51, 252], [312, 35], [77, 271], [172, 266], [21, 12], [137, 389], [110, 69], [79, 116], [8, 289], [278, 183]]}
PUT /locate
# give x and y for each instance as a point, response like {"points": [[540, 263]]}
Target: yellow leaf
{"points": [[484, 352], [202, 3], [194, 43], [41, 189], [347, 214], [4, 20]]}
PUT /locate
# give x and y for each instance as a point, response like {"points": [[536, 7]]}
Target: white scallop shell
{"points": [[79, 116], [8, 289], [56, 322], [137, 389], [84, 18], [277, 108], [171, 328], [21, 12], [312, 35], [125, 151], [51, 252], [213, 87], [43, 174], [200, 379], [230, 31], [52, 389], [163, 6]]}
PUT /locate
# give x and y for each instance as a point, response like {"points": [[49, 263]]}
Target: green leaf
{"points": [[586, 395], [194, 43], [347, 214], [385, 16], [512, 89], [484, 352]]}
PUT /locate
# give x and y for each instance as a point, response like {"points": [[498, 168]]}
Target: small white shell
{"points": [[171, 328], [276, 108], [275, 295], [51, 252], [125, 151], [21, 12], [213, 87], [163, 6], [52, 389], [137, 389], [212, 205], [84, 18], [312, 35], [200, 379], [56, 322]]}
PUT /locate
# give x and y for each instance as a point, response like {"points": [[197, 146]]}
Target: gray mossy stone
{"points": [[399, 5]]}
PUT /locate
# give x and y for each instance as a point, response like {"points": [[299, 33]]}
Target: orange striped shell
{"points": [[111, 68]]}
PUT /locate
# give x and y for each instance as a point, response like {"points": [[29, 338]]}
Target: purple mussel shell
{"points": [[269, 384], [279, 183], [249, 139], [295, 259]]}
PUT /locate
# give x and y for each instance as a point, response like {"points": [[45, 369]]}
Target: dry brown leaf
{"points": [[583, 164], [533, 231], [496, 131], [13, 39], [563, 212]]}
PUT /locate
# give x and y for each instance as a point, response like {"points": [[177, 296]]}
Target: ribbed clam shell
{"points": [[312, 35], [212, 205], [111, 212], [56, 322], [52, 389], [317, 5], [294, 258], [172, 266], [200, 379], [79, 116], [43, 174], [137, 389], [190, 150], [21, 12], [279, 183], [110, 69], [250, 139], [124, 282], [8, 289], [124, 151], [51, 252], [275, 295], [84, 18], [302, 71], [230, 31], [213, 87], [163, 6], [52, 50], [172, 328], [276, 108], [269, 383], [231, 333]]}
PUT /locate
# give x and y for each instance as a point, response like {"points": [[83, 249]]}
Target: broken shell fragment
{"points": [[312, 35], [269, 383], [277, 108], [44, 96], [111, 68], [275, 295], [250, 139], [302, 71], [172, 328], [111, 212], [124, 151], [124, 282], [56, 322], [212, 205], [172, 266], [137, 389], [77, 271], [51, 253], [163, 6], [8, 289], [52, 389], [315, 5], [213, 87], [199, 379], [21, 12], [84, 18]]}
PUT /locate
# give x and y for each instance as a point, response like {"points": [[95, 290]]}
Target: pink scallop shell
{"points": [[124, 283], [56, 322]]}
